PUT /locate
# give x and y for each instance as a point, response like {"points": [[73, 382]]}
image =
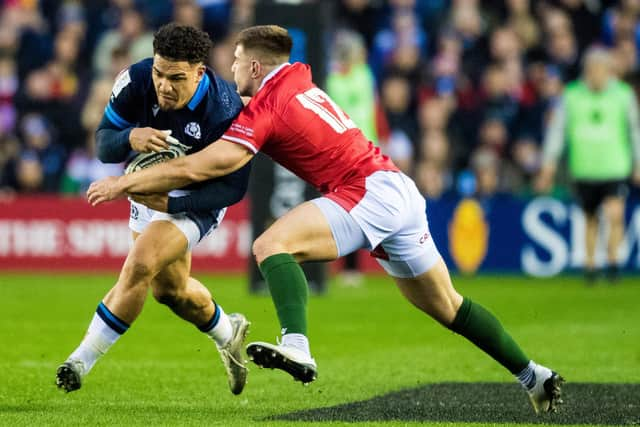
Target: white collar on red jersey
{"points": [[272, 74]]}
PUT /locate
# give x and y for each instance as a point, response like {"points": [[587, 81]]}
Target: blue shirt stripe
{"points": [[115, 118], [201, 91]]}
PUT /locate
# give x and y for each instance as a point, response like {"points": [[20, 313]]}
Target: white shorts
{"points": [[194, 225], [390, 221]]}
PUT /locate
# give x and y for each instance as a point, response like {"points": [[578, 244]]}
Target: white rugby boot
{"points": [[69, 375], [231, 353], [295, 362], [545, 394]]}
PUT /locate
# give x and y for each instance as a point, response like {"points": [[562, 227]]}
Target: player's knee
{"points": [[138, 271], [263, 247]]}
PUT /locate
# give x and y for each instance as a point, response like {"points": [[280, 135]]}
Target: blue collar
{"points": [[201, 91]]}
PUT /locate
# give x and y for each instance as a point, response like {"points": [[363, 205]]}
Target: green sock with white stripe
{"points": [[288, 287]]}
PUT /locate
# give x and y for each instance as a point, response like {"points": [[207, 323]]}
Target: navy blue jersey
{"points": [[202, 121]]}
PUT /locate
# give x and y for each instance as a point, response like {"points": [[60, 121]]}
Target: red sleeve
{"points": [[251, 128]]}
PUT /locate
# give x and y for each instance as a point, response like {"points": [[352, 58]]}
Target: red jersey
{"points": [[295, 123]]}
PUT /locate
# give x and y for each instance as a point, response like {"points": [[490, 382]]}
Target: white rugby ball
{"points": [[145, 160]]}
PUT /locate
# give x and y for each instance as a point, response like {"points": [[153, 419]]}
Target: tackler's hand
{"points": [[104, 190]]}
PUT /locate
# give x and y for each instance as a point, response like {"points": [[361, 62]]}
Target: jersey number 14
{"points": [[323, 106]]}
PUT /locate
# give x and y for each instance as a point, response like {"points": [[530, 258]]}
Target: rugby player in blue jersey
{"points": [[169, 103]]}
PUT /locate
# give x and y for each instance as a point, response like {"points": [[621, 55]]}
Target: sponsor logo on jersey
{"points": [[241, 129], [122, 81], [192, 129], [134, 212]]}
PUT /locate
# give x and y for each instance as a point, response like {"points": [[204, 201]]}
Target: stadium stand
{"points": [[465, 86]]}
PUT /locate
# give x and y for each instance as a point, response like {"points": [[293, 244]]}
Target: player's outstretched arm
{"points": [[218, 159], [214, 194]]}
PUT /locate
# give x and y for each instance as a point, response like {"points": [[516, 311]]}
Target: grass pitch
{"points": [[381, 362]]}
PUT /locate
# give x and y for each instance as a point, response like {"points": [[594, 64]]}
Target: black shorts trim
{"points": [[591, 194]]}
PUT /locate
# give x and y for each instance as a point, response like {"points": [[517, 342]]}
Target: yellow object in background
{"points": [[468, 236]]}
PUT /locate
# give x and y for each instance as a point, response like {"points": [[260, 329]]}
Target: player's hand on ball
{"points": [[148, 140], [104, 190], [156, 201]]}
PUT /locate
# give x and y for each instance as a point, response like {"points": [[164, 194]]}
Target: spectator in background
{"points": [[222, 57], [242, 15], [120, 59], [9, 150], [399, 46], [40, 164], [217, 17], [187, 12], [57, 89], [25, 35], [504, 45], [498, 103], [361, 16], [598, 117], [525, 153], [505, 60], [71, 19], [83, 166], [352, 86], [396, 97], [521, 20], [584, 18], [466, 21], [447, 59], [429, 179], [561, 45], [621, 22], [8, 89], [493, 135], [626, 59], [435, 155], [432, 167], [131, 32], [485, 164]]}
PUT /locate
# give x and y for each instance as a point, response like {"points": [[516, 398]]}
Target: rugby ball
{"points": [[145, 160]]}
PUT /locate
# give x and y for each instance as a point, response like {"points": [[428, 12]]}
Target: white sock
{"points": [[98, 339], [219, 328], [298, 341], [527, 376]]}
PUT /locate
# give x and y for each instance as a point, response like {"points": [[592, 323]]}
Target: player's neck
{"points": [[268, 71]]}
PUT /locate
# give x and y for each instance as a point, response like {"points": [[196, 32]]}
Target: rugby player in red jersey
{"points": [[366, 203]]}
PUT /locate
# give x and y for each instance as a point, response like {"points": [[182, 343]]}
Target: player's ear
{"points": [[201, 71], [256, 68]]}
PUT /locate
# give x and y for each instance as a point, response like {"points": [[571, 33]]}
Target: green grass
{"points": [[367, 341]]}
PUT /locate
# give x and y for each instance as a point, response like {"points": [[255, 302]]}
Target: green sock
{"points": [[479, 326], [289, 292]]}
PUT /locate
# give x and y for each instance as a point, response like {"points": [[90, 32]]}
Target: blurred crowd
{"points": [[461, 90]]}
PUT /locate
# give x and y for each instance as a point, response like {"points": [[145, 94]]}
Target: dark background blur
{"points": [[462, 88]]}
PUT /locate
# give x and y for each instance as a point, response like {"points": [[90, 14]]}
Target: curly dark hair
{"points": [[182, 43]]}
